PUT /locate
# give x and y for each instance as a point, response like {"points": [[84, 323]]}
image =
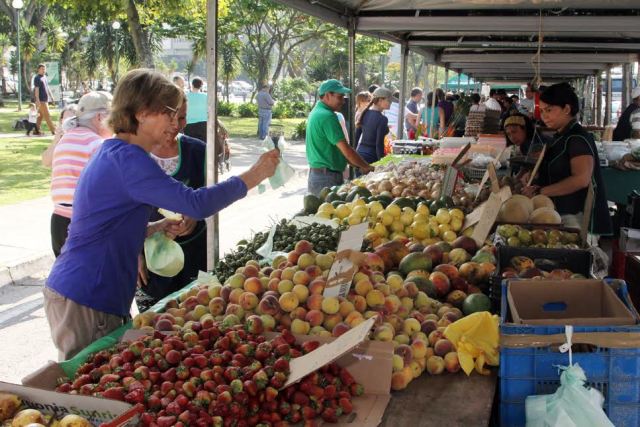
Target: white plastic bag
{"points": [[163, 256], [284, 172]]}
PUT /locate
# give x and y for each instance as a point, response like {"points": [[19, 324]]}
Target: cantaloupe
{"points": [[514, 210], [542, 201], [545, 215], [526, 202]]}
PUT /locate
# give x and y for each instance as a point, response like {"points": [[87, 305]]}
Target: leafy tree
{"points": [[228, 64]]}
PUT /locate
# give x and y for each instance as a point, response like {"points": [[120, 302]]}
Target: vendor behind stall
{"points": [[623, 128], [92, 283], [570, 162]]}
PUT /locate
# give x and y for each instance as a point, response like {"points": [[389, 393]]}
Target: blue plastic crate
{"points": [[530, 371]]}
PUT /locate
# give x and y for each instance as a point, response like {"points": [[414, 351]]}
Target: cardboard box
{"points": [[629, 239], [351, 350], [98, 411], [566, 302]]}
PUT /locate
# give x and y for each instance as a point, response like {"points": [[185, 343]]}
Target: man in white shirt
{"points": [[493, 103], [526, 105]]}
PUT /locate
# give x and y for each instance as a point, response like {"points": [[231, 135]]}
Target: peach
{"points": [[402, 339], [383, 333], [298, 313], [395, 321], [272, 285], [249, 301], [253, 285], [314, 302], [435, 336], [235, 309], [340, 329], [451, 316], [190, 303], [428, 326], [164, 325], [450, 270], [313, 271], [374, 261], [268, 322], [319, 331], [269, 304], [284, 321], [419, 348], [330, 305], [435, 365], [300, 327], [301, 291], [214, 291], [285, 286], [451, 362], [422, 362], [417, 315], [207, 321], [288, 301], [301, 278], [303, 247], [416, 369], [399, 381], [236, 281], [317, 286], [287, 273], [411, 288], [217, 306], [407, 303], [331, 320], [305, 260], [397, 363], [359, 303], [440, 282], [363, 287], [324, 261], [279, 259], [354, 318], [405, 352], [275, 274], [410, 326], [203, 296], [315, 317], [346, 307], [293, 257], [392, 303], [442, 347], [384, 288], [444, 322], [251, 271], [375, 298]]}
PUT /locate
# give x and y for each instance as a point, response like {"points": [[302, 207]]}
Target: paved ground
{"points": [[24, 236]]}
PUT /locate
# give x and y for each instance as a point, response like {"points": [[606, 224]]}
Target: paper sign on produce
{"points": [[347, 260]]}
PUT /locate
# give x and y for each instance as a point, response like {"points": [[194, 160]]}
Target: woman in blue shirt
{"points": [[92, 283], [373, 126], [438, 118]]}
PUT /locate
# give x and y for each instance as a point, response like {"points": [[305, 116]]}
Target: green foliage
{"points": [[292, 89], [300, 132], [226, 109], [248, 109], [290, 109]]}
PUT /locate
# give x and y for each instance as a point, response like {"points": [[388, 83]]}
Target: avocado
{"points": [[332, 197], [404, 202], [384, 200], [324, 193], [311, 204], [447, 202], [357, 191]]}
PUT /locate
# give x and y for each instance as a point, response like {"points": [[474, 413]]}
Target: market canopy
{"points": [[498, 39]]}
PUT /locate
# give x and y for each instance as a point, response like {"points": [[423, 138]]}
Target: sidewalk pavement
{"points": [[25, 239]]}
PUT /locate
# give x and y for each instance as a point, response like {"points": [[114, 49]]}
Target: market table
{"points": [[447, 400], [619, 184]]}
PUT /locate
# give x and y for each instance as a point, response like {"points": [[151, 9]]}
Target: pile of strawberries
{"points": [[216, 377]]}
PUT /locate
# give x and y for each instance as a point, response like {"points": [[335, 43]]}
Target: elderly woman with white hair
{"points": [[83, 136]]}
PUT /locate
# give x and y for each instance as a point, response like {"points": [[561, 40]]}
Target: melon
{"points": [[542, 201], [545, 215], [514, 210], [526, 202]]}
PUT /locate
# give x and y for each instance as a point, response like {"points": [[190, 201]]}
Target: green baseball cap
{"points": [[333, 85]]}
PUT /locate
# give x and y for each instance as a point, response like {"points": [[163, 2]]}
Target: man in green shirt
{"points": [[327, 149]]}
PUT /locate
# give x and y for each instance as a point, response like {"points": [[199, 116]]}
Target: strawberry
{"points": [[346, 405], [300, 398], [261, 379], [250, 387], [346, 378], [281, 365], [330, 391], [270, 394], [330, 415], [356, 389], [166, 421], [135, 396], [309, 346], [308, 413], [115, 393], [236, 386]]}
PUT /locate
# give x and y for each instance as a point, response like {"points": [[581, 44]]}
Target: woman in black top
{"points": [[373, 126], [570, 162]]}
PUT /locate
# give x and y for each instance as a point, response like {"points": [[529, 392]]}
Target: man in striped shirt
{"points": [[83, 136]]}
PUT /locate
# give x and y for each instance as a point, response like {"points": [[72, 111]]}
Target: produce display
{"points": [[521, 209], [538, 269], [415, 294], [322, 236], [14, 414], [515, 235], [212, 374]]}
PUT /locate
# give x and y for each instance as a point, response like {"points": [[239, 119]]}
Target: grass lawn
{"points": [[9, 114], [22, 176], [248, 127]]}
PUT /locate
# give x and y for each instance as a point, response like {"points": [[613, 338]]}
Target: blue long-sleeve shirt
{"points": [[373, 127], [112, 204]]}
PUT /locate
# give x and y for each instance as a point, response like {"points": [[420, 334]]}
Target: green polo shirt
{"points": [[323, 134]]}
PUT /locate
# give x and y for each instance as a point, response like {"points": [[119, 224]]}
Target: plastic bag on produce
{"points": [[266, 250], [163, 256], [572, 405], [476, 338], [284, 172]]}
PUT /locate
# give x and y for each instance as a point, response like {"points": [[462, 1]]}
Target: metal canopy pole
{"points": [[598, 99], [446, 79], [351, 31], [404, 52], [607, 103], [626, 90], [459, 82], [213, 241]]}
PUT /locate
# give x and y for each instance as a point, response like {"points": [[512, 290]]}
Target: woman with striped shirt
{"points": [[83, 135]]}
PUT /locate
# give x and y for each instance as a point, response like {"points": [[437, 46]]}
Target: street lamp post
{"points": [[116, 27], [17, 5]]}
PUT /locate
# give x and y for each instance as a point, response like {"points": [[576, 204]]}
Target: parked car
{"points": [[240, 88]]}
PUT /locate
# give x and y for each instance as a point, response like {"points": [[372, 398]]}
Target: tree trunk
{"points": [[140, 36]]}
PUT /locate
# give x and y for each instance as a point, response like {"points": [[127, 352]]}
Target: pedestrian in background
{"points": [[42, 96], [265, 105], [30, 123], [179, 81], [362, 100], [197, 111], [373, 126]]}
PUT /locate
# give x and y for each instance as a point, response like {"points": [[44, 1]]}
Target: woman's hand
{"points": [[264, 168], [531, 190], [170, 227], [143, 273], [187, 226]]}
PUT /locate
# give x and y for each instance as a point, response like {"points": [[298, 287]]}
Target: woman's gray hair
{"points": [[85, 121]]}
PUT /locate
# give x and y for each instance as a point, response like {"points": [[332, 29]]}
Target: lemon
{"points": [[433, 221], [375, 208], [442, 216], [420, 217], [442, 228], [354, 219], [394, 210], [457, 213], [380, 230], [361, 211], [398, 236], [371, 236], [456, 224], [422, 209], [408, 209], [468, 231], [327, 207], [397, 226], [343, 211], [385, 218], [421, 230], [406, 218], [359, 202], [449, 236]]}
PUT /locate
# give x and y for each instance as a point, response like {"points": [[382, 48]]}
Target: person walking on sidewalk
{"points": [[265, 105], [42, 95], [89, 291], [197, 112], [327, 149], [82, 137]]}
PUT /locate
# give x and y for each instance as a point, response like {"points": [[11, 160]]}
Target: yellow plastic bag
{"points": [[476, 338]]}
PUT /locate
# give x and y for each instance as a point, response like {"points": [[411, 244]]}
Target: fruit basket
{"points": [[615, 372]]}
